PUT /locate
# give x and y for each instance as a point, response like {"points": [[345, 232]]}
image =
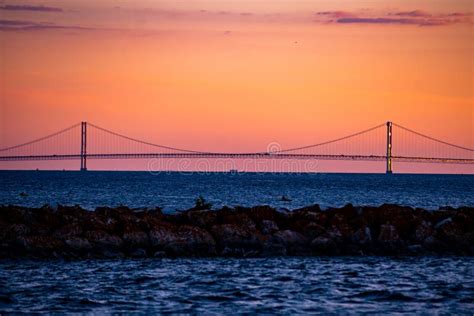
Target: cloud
{"points": [[375, 21], [17, 25], [335, 14], [413, 17], [40, 8], [413, 14], [405, 21]]}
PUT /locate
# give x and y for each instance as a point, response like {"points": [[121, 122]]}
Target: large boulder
{"points": [[266, 213], [295, 242], [183, 241], [312, 230], [268, 227], [235, 236], [362, 236], [78, 244], [40, 245], [161, 235], [451, 232], [135, 239], [14, 231], [324, 246], [239, 219], [388, 234], [201, 218], [103, 240], [404, 219], [68, 231], [423, 231]]}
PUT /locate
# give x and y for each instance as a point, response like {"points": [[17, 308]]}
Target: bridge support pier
{"points": [[83, 146], [389, 148]]}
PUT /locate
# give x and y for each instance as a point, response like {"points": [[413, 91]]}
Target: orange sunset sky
{"points": [[237, 75]]}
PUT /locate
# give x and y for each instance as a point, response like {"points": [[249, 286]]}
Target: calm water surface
{"points": [[179, 190], [276, 285]]}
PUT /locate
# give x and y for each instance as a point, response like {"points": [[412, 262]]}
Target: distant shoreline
{"points": [[70, 232]]}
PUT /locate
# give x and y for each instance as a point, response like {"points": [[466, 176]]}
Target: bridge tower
{"points": [[83, 146], [389, 148]]}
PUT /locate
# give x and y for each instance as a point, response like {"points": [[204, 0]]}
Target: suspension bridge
{"points": [[388, 142]]}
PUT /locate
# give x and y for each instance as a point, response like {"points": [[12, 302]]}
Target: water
{"points": [[179, 190], [275, 285]]}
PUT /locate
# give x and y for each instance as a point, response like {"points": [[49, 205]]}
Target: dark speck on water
{"points": [[272, 285]]}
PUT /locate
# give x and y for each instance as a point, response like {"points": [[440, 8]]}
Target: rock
{"points": [[111, 254], [324, 245], [334, 234], [270, 249], [290, 237], [159, 254], [313, 230], [268, 227], [44, 244], [234, 236], [68, 231], [309, 214], [404, 219], [78, 243], [415, 249], [232, 252], [17, 230], [388, 233], [238, 219], [162, 235], [138, 253], [202, 218], [423, 231], [196, 240], [362, 236], [73, 233], [102, 239], [435, 245], [261, 213], [295, 243], [451, 232], [133, 239], [187, 240], [443, 222]]}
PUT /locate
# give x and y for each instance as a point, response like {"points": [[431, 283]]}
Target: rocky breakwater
{"points": [[72, 232]]}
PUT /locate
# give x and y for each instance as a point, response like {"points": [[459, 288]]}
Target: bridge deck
{"points": [[238, 156]]}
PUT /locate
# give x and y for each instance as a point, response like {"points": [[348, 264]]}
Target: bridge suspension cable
{"points": [[41, 138], [145, 142], [432, 138], [332, 141]]}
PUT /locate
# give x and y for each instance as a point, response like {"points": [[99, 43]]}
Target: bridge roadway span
{"points": [[238, 156]]}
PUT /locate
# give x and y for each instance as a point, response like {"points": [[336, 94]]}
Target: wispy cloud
{"points": [[335, 14], [413, 14], [27, 7], [415, 17], [17, 25], [420, 22], [154, 20]]}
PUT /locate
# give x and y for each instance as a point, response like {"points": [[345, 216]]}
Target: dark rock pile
{"points": [[72, 232]]}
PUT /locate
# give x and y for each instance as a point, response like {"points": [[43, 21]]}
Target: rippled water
{"points": [[274, 285], [179, 190]]}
